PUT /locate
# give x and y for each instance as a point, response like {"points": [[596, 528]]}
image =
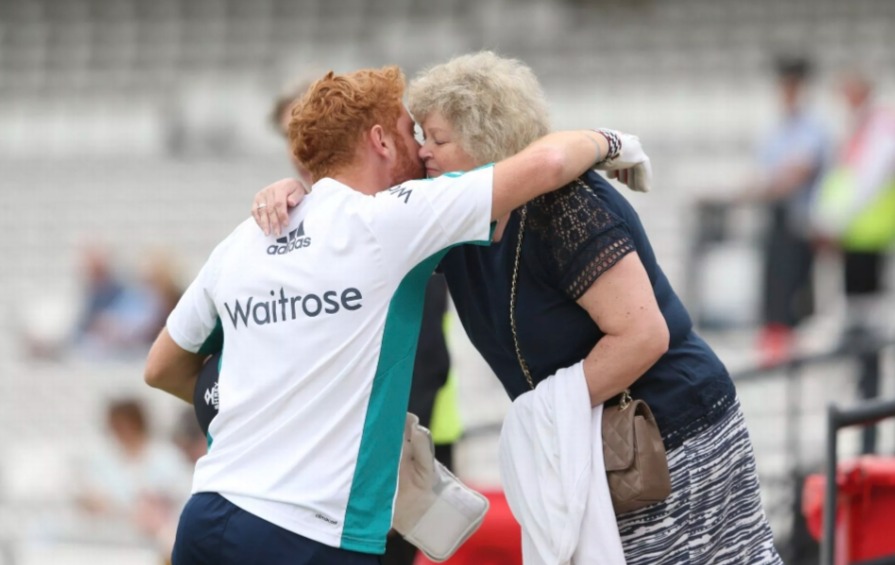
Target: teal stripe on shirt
{"points": [[369, 512]]}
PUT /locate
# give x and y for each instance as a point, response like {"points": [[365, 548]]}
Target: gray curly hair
{"points": [[495, 104]]}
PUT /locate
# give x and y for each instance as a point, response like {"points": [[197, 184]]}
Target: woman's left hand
{"points": [[271, 204]]}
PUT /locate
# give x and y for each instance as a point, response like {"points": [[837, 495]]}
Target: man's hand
{"points": [[433, 510], [416, 475], [270, 208], [631, 166]]}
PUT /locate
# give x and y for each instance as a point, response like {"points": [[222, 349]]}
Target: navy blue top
{"points": [[571, 237]]}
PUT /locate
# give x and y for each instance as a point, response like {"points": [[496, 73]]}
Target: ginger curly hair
{"points": [[332, 116]]}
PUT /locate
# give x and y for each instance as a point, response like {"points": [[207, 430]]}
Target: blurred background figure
{"points": [[281, 113], [791, 158], [122, 316], [133, 485], [104, 292], [160, 278], [101, 285], [855, 209], [189, 438]]}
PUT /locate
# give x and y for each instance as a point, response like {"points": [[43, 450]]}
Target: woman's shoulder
{"points": [[588, 202]]}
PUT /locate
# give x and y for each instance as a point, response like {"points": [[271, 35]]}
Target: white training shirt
{"points": [[320, 331]]}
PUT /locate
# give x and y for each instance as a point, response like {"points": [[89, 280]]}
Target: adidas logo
{"points": [[295, 239]]}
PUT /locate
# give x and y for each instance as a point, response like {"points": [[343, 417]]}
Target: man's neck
{"points": [[366, 177], [361, 184]]}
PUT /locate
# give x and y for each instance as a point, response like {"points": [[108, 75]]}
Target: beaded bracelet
{"points": [[615, 144]]}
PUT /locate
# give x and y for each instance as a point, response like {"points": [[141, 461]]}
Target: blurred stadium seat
{"points": [[36, 472], [83, 554]]}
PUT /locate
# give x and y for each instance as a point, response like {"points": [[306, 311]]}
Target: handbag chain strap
{"points": [[523, 213], [625, 399]]}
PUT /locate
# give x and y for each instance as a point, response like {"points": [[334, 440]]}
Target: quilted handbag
{"points": [[634, 456]]}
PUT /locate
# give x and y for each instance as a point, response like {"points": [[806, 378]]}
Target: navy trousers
{"points": [[214, 531]]}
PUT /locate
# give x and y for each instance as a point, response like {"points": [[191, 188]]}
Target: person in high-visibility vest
{"points": [[855, 207]]}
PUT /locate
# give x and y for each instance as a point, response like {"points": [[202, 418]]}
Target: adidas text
{"points": [[295, 239]]}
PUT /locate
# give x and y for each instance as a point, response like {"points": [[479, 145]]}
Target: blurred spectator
{"points": [[134, 483], [791, 161], [119, 317], [160, 279], [855, 208], [280, 115], [189, 438], [157, 519], [103, 289]]}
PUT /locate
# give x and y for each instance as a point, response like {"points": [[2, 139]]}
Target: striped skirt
{"points": [[714, 513]]}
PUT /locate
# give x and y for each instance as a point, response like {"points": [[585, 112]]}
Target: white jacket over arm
{"points": [[551, 465]]}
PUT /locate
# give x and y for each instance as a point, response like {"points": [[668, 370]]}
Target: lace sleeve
{"points": [[582, 238]]}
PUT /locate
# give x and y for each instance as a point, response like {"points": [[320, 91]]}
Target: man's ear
{"points": [[380, 141]]}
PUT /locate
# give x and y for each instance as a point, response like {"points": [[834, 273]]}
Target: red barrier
{"points": [[865, 516]]}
